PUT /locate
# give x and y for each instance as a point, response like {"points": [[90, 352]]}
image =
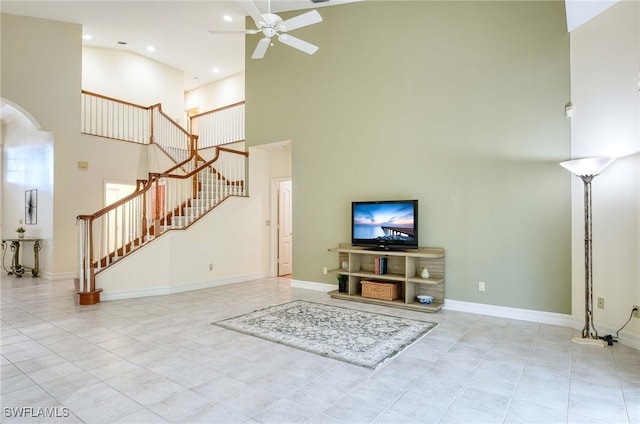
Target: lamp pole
{"points": [[588, 264], [587, 169]]}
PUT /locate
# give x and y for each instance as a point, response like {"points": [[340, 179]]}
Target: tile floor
{"points": [[159, 359]]}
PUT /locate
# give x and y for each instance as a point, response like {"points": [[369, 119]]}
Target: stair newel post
{"points": [[156, 218], [144, 217], [151, 125], [194, 154], [194, 184], [86, 281], [194, 145]]}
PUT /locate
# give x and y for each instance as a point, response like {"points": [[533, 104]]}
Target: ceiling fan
{"points": [[270, 25]]}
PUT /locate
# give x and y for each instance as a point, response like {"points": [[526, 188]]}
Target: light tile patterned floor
{"points": [[158, 360]]}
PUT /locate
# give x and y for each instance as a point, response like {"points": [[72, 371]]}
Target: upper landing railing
{"points": [[219, 126], [120, 120]]}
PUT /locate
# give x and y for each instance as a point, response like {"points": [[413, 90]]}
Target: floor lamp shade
{"points": [[587, 166], [586, 170]]}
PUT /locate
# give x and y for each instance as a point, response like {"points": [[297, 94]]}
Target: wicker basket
{"points": [[381, 290]]}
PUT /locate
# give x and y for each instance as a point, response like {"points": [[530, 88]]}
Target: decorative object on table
{"points": [[361, 338], [20, 230], [31, 207], [425, 300], [424, 273], [342, 283], [587, 169]]}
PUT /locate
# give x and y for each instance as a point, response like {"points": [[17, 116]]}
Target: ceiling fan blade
{"points": [[253, 11], [309, 18], [261, 48], [234, 31], [297, 43]]}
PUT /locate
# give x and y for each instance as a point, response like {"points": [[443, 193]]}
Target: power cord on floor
{"points": [[609, 338]]}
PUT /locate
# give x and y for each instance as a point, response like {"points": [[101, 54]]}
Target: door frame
{"points": [[273, 231]]}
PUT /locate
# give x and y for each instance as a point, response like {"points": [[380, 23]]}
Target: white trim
{"points": [[164, 290], [45, 275], [512, 313], [312, 285], [552, 318]]}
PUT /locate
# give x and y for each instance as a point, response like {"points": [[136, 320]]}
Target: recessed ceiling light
{"points": [[227, 18], [87, 37], [151, 49], [216, 70]]}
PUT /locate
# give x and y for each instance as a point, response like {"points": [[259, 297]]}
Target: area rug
{"points": [[362, 338]]}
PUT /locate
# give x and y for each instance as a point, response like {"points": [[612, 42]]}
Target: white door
{"points": [[285, 231]]}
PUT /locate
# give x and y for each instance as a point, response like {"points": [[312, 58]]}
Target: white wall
{"points": [[605, 65], [127, 76], [217, 94], [41, 75], [109, 160], [29, 165]]}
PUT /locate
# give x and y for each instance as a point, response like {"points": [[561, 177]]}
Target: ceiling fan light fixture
{"points": [[269, 32]]}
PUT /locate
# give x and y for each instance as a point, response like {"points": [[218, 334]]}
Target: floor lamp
{"points": [[586, 170]]}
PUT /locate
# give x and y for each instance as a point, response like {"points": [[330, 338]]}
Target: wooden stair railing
{"points": [[171, 200], [107, 117]]}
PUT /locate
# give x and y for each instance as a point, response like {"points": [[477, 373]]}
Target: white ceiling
{"points": [[178, 29]]}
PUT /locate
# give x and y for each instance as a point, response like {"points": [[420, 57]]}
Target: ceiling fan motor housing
{"points": [[271, 25]]}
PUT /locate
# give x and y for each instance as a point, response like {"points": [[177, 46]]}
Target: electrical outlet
{"points": [[601, 303], [324, 270], [210, 267], [481, 286], [636, 313]]}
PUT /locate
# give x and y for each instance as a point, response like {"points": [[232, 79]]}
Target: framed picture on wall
{"points": [[31, 207]]}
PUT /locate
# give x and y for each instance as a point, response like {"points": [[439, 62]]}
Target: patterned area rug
{"points": [[361, 338]]}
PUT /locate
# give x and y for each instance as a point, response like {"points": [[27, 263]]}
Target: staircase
{"points": [[172, 200]]}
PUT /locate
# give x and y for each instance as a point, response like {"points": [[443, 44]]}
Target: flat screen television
{"points": [[385, 225]]}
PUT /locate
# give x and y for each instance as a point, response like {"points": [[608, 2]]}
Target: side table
{"points": [[16, 267]]}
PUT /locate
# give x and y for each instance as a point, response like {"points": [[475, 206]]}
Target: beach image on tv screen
{"points": [[383, 221]]}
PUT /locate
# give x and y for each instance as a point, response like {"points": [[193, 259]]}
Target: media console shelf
{"points": [[404, 267]]}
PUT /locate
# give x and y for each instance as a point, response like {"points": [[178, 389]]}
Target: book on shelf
{"points": [[381, 265]]}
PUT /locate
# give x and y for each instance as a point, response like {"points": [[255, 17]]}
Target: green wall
{"points": [[457, 104]]}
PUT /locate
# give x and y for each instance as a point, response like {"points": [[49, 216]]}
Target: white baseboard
{"points": [[107, 295], [46, 275], [543, 317], [512, 313], [311, 285]]}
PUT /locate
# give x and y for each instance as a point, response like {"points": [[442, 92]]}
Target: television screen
{"points": [[391, 224]]}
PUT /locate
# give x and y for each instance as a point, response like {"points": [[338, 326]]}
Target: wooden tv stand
{"points": [[403, 267]]}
